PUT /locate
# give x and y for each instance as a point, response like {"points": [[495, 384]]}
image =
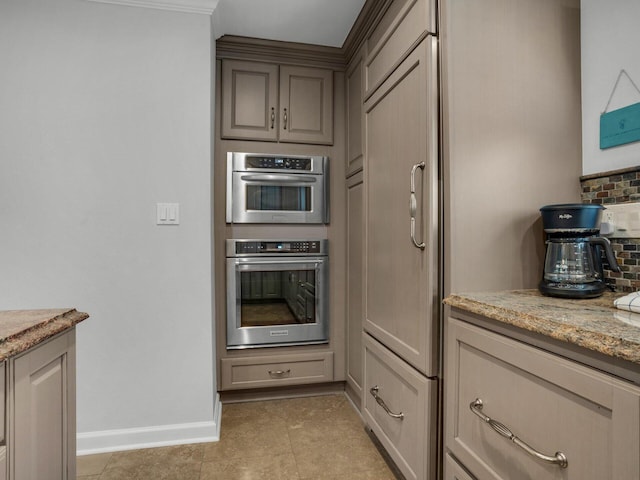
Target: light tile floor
{"points": [[313, 438]]}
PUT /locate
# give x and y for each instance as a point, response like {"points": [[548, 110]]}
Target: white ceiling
{"points": [[321, 22]]}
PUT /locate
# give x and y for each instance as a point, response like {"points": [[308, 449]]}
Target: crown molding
{"points": [[246, 48], [187, 6], [368, 18]]}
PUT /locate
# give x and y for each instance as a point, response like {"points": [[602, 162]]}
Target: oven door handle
{"points": [[279, 178], [245, 265]]}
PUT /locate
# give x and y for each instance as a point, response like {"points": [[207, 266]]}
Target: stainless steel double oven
{"points": [[277, 292], [277, 289]]}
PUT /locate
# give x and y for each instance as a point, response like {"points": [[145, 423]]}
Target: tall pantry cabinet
{"points": [[393, 203]]}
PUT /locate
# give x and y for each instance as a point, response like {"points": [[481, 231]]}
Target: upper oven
{"points": [[267, 188]]}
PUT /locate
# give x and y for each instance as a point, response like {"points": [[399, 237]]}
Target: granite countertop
{"points": [[594, 324], [22, 329]]}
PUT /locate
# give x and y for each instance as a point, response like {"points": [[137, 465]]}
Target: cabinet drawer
{"points": [[410, 440], [453, 470], [401, 28], [277, 370], [552, 404]]}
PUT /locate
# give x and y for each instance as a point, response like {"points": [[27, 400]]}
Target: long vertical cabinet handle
{"points": [[273, 117], [285, 119], [413, 205], [559, 458]]}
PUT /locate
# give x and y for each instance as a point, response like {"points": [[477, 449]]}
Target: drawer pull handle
{"points": [[559, 458], [374, 391], [279, 373]]}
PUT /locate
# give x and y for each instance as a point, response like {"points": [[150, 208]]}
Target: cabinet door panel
{"points": [[355, 293], [42, 443], [401, 279], [306, 105], [249, 100]]}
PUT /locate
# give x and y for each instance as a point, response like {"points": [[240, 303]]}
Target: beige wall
{"points": [[512, 135]]}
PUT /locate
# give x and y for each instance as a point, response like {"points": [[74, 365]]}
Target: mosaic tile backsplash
{"points": [[620, 186]]}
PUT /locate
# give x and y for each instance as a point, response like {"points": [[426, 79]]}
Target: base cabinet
{"points": [[41, 412], [399, 407], [558, 407]]}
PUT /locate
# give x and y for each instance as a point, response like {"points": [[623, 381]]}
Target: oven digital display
{"points": [[276, 247]]}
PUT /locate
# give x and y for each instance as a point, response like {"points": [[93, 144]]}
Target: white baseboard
{"points": [[105, 441]]}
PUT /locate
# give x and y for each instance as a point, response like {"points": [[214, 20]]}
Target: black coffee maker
{"points": [[573, 261]]}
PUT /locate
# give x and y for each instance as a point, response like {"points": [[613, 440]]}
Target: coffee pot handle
{"points": [[608, 251]]}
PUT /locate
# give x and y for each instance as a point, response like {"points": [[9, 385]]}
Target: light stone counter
{"points": [[592, 324], [22, 329]]}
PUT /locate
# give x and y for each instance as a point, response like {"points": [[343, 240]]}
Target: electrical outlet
{"points": [[621, 220]]}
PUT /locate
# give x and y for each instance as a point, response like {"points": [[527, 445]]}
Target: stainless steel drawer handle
{"points": [[559, 458], [413, 205], [374, 392], [279, 373]]}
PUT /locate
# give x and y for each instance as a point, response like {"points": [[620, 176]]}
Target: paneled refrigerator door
{"points": [[402, 210]]}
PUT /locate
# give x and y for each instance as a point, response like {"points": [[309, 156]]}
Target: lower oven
{"points": [[277, 293]]}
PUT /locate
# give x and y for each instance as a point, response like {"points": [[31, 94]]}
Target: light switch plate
{"points": [[168, 214]]}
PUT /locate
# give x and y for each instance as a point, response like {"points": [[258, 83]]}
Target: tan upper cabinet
{"points": [[267, 102], [403, 26]]}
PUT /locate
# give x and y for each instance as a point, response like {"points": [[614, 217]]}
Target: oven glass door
{"points": [[277, 198], [276, 301]]}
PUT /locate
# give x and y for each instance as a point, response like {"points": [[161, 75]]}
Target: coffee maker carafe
{"points": [[573, 264]]}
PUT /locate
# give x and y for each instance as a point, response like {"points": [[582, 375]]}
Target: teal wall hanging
{"points": [[621, 126]]}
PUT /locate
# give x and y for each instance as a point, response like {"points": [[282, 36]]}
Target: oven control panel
{"points": [[286, 163], [277, 247]]}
